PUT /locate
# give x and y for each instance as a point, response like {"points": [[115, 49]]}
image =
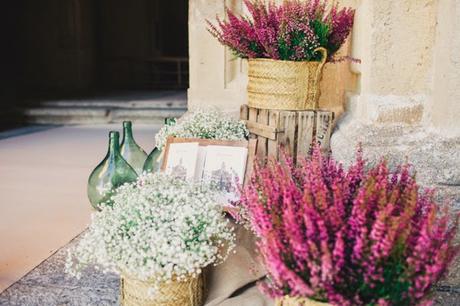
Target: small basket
{"points": [[285, 85], [185, 293], [298, 301]]}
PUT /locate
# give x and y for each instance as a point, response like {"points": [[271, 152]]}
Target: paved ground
{"points": [[43, 203], [49, 285]]}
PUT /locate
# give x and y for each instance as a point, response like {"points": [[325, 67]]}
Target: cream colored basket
{"points": [[139, 293], [298, 301], [285, 85]]}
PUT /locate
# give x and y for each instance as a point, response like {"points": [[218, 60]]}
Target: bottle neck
{"points": [[127, 132], [114, 144]]}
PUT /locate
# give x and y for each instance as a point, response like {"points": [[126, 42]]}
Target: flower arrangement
{"points": [[158, 228], [291, 31], [348, 237], [206, 124]]}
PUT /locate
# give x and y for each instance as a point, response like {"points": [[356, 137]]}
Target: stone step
{"points": [[137, 106], [169, 104], [94, 115], [174, 100]]}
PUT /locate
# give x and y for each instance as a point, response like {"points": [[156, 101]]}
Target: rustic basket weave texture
{"points": [[284, 85], [139, 293], [298, 301]]}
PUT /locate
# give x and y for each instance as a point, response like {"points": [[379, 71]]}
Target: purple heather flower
{"points": [[286, 31], [332, 234]]}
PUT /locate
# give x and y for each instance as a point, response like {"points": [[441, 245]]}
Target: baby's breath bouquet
{"points": [[206, 124], [159, 229]]}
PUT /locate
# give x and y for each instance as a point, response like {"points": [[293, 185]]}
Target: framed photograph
{"points": [[182, 160], [225, 167], [223, 163]]}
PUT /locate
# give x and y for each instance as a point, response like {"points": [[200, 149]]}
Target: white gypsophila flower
{"points": [[159, 228], [206, 124], [105, 189]]}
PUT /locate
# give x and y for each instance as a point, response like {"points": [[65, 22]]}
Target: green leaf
{"points": [[322, 32]]}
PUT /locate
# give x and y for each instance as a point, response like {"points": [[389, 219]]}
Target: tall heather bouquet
{"points": [[290, 31], [349, 237]]}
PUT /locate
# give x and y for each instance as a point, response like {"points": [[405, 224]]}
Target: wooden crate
{"points": [[294, 131]]}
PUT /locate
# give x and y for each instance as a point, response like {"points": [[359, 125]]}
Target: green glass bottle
{"points": [[130, 150], [155, 158], [153, 161], [111, 173]]}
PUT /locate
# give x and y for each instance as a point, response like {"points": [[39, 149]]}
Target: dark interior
{"points": [[67, 47]]}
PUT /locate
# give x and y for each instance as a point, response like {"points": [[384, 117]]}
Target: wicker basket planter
{"points": [[298, 301], [138, 293], [285, 85]]}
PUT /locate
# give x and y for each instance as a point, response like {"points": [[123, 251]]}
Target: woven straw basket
{"points": [[285, 85], [298, 301], [138, 293]]}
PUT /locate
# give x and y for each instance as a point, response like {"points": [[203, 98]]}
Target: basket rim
{"points": [[264, 59], [296, 299], [153, 279]]}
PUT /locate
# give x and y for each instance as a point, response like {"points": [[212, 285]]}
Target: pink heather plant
{"points": [[348, 237], [290, 31]]}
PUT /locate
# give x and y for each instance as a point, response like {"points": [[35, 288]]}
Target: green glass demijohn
{"points": [[130, 150], [111, 173], [155, 158], [153, 161]]}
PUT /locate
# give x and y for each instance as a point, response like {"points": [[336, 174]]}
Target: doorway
{"points": [[68, 47]]}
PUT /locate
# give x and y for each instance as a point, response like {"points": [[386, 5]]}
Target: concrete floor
{"points": [[43, 202]]}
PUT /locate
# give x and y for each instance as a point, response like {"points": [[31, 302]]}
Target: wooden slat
{"points": [[253, 117], [252, 145], [262, 119], [244, 112], [272, 144], [294, 131], [324, 121], [253, 114], [287, 138], [261, 130], [305, 123]]}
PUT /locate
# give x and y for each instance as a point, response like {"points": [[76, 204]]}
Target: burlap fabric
{"points": [[233, 283]]}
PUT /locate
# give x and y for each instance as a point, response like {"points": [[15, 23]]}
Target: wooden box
{"points": [[293, 131]]}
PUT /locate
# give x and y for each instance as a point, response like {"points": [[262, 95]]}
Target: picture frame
{"points": [[250, 144]]}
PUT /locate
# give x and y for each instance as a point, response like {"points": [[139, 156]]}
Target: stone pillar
{"points": [[443, 110], [407, 104], [394, 40], [216, 78]]}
